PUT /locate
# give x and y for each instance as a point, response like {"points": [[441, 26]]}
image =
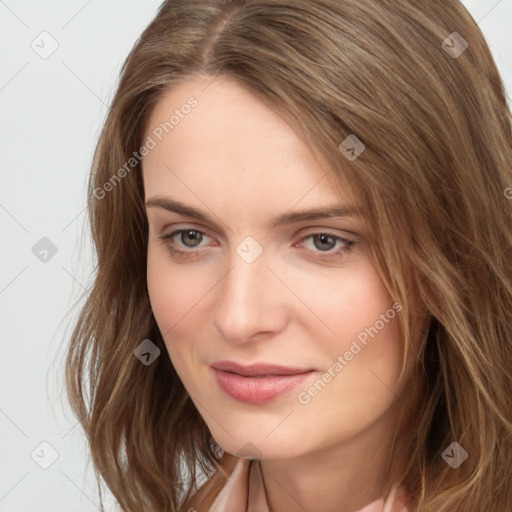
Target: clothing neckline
{"points": [[244, 491]]}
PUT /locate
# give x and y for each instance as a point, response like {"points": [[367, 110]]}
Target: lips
{"points": [[258, 369], [259, 383]]}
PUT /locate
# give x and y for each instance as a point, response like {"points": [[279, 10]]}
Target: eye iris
{"points": [[193, 235], [323, 238]]}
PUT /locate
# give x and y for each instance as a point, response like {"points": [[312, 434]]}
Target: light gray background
{"points": [[51, 111]]}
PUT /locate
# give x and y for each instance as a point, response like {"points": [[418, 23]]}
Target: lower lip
{"points": [[258, 390]]}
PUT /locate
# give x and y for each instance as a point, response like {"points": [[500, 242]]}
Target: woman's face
{"points": [[253, 282]]}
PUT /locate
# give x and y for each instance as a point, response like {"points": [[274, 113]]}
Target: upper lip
{"points": [[258, 369]]}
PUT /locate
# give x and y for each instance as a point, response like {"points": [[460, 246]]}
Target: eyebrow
{"points": [[325, 212]]}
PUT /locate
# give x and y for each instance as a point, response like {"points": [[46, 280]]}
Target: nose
{"points": [[250, 300]]}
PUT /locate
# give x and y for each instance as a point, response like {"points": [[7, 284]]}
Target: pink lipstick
{"points": [[258, 383]]}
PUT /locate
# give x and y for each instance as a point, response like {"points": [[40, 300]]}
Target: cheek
{"points": [[363, 318], [175, 296], [351, 304], [173, 292], [362, 358]]}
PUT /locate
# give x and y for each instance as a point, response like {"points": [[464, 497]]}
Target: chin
{"points": [[258, 447]]}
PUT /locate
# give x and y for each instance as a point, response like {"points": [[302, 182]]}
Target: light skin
{"points": [[297, 304]]}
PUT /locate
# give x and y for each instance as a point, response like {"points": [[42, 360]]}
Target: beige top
{"points": [[244, 491]]}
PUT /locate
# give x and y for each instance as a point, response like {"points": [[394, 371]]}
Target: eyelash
{"points": [[348, 245]]}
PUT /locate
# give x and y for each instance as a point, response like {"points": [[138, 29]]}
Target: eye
{"points": [[183, 243], [189, 238], [326, 242]]}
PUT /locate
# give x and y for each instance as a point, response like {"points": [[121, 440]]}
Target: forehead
{"points": [[214, 140]]}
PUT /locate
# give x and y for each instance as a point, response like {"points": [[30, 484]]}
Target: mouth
{"points": [[260, 383]]}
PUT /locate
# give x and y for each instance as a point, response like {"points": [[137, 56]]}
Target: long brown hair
{"points": [[434, 178]]}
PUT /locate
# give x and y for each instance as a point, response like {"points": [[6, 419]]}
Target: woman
{"points": [[222, 339]]}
